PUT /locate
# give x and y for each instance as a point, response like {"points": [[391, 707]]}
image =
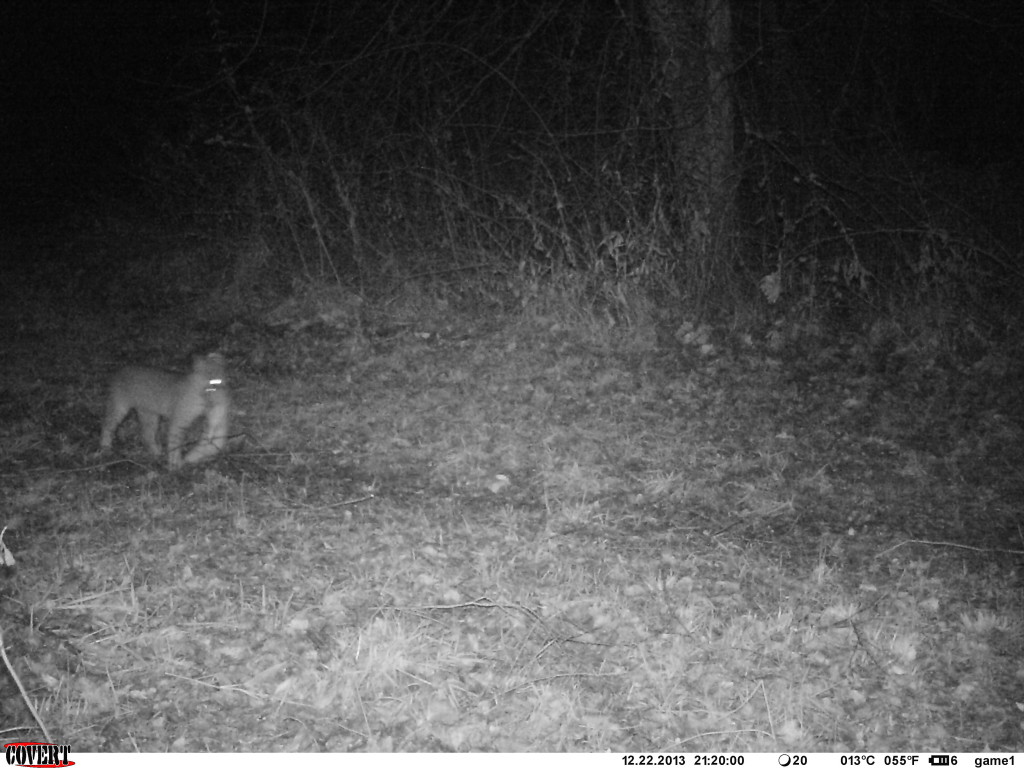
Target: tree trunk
{"points": [[692, 40]]}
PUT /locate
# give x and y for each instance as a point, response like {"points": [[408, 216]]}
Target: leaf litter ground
{"points": [[504, 535]]}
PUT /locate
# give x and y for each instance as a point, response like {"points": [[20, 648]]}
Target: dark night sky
{"points": [[83, 80]]}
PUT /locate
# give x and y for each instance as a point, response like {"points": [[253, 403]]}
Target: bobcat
{"points": [[180, 399]]}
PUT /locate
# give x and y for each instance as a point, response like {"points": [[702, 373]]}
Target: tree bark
{"points": [[692, 40]]}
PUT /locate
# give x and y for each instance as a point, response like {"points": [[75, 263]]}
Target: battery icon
{"points": [[938, 760]]}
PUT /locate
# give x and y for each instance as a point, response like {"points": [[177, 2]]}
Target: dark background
{"points": [[84, 82]]}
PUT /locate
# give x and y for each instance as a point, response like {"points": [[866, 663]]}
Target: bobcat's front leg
{"points": [[215, 436]]}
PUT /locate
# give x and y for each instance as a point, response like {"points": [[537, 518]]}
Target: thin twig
{"points": [[951, 544], [21, 689]]}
